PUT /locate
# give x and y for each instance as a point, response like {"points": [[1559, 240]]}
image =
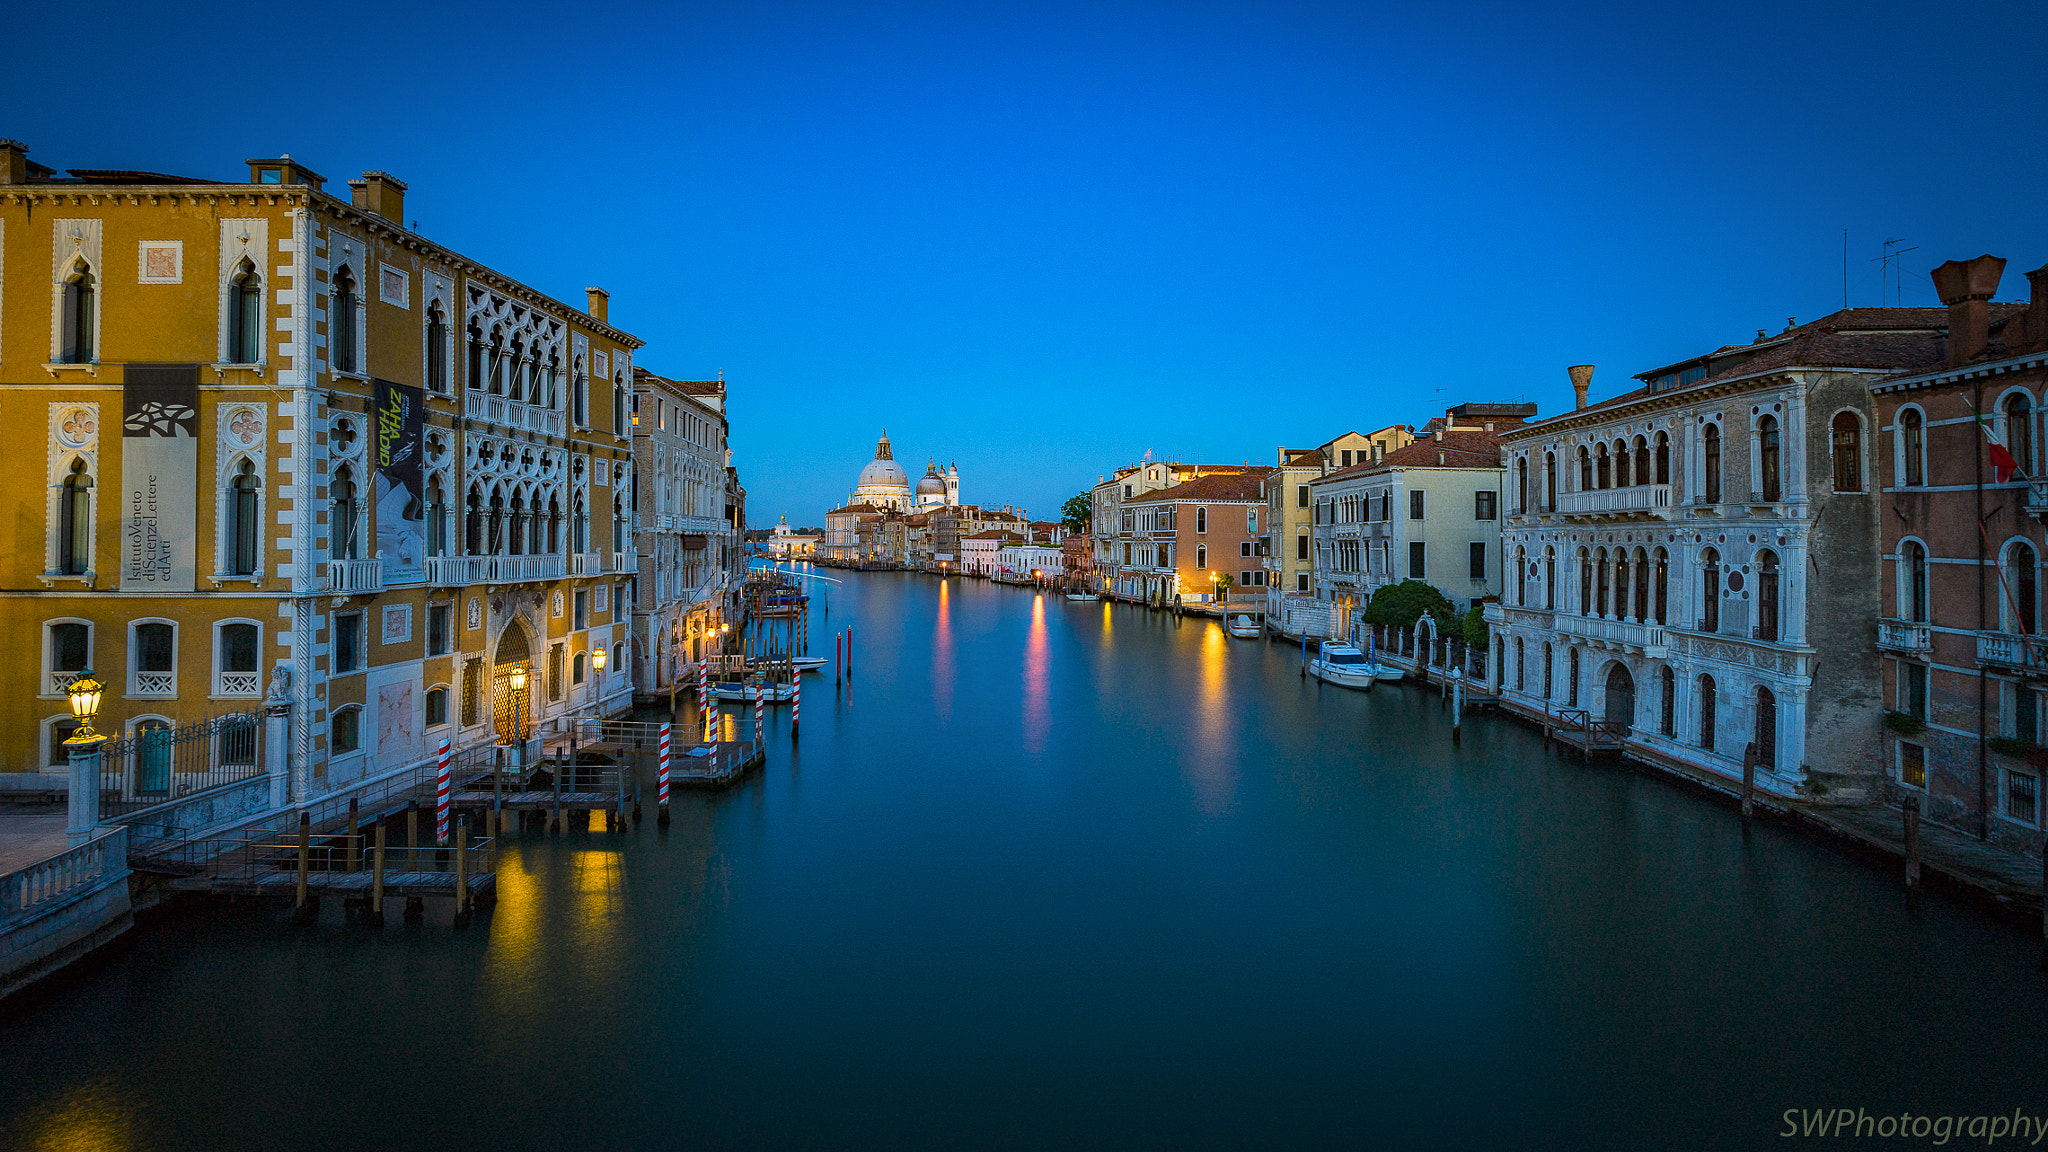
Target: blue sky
{"points": [[1041, 239]]}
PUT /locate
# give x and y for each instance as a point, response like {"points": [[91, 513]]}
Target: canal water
{"points": [[1073, 875]]}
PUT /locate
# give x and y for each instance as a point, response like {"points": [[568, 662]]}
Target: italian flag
{"points": [[2002, 463]]}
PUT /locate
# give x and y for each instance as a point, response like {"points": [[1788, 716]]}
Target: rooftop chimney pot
{"points": [[1967, 286], [599, 299], [13, 162], [1582, 380]]}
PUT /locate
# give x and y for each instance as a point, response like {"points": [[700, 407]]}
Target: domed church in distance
{"points": [[884, 483]]}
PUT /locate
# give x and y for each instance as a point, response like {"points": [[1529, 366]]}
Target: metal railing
{"points": [[250, 855], [31, 890], [157, 765]]}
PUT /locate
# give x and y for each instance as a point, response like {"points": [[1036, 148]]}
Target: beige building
{"points": [[691, 561], [294, 448]]}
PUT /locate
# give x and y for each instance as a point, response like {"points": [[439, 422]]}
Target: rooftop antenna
{"points": [[1888, 266]]}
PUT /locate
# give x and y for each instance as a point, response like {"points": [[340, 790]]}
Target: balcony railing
{"points": [[586, 563], [2011, 650], [510, 569], [1635, 500], [455, 571], [622, 561], [355, 576], [511, 413], [2037, 495], [1633, 634], [1903, 636]]}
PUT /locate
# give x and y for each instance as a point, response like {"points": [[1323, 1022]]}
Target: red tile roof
{"points": [[1247, 485], [1461, 449]]}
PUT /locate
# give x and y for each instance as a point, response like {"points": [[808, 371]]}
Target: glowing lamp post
{"points": [[597, 663], [82, 750]]}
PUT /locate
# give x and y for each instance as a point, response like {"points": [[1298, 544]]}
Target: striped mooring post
{"points": [[441, 797], [704, 697], [796, 700], [661, 779], [757, 712]]}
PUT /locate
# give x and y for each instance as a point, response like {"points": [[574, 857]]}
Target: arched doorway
{"points": [[1621, 696], [514, 653]]}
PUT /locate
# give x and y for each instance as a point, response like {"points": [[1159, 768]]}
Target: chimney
{"points": [[598, 300], [1966, 286], [380, 193], [2037, 310], [1582, 379], [13, 162]]}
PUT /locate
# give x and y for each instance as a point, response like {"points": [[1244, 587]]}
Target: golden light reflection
{"points": [[1210, 764], [97, 1120], [942, 656], [1037, 685], [508, 975]]}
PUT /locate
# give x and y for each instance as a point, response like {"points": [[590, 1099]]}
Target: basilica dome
{"points": [[933, 484], [883, 483], [884, 473]]}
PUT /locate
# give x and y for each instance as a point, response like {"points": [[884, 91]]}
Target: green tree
{"points": [[1223, 583], [1476, 634], [1401, 605], [1077, 513]]}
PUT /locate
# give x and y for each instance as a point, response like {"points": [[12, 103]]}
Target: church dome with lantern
{"points": [[883, 483]]}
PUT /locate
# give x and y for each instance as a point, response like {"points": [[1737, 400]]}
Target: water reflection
{"points": [[1037, 686], [1211, 764], [942, 654]]}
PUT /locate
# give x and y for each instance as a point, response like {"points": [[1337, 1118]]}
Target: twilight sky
{"points": [[1041, 239]]}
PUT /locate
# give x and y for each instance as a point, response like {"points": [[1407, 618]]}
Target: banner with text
{"points": [[159, 477], [400, 508]]}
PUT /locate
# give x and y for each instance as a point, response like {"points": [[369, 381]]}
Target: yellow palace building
{"points": [[294, 452]]}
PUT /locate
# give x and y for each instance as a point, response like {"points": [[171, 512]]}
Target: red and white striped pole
{"points": [[757, 712], [441, 797], [796, 699], [704, 697], [661, 785]]}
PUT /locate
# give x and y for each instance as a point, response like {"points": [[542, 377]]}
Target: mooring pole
{"points": [[412, 827], [441, 798], [661, 784], [1911, 811], [1748, 781], [1457, 707], [849, 651], [462, 869], [305, 860], [377, 877], [796, 699], [354, 846]]}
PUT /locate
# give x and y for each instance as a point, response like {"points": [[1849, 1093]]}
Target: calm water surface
{"points": [[1063, 875]]}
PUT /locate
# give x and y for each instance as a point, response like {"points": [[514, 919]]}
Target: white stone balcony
{"points": [[2014, 651], [1904, 636], [1603, 503], [586, 563], [355, 576], [2037, 495], [1629, 635], [622, 562], [455, 571], [510, 413], [513, 569]]}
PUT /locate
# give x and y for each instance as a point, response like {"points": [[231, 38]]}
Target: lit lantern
{"points": [[85, 695]]}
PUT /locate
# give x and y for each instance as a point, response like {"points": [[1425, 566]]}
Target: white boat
{"points": [[1083, 597], [1245, 627], [809, 663], [1342, 664], [734, 691]]}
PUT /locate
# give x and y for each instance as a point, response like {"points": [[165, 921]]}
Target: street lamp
{"points": [[518, 679], [85, 694]]}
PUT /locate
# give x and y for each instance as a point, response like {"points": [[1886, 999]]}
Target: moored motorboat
{"points": [[1083, 597], [808, 663], [1244, 627], [1340, 663], [742, 692]]}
